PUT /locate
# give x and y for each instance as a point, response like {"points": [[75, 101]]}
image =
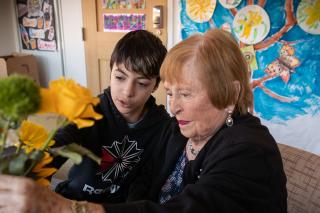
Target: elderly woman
{"points": [[213, 157]]}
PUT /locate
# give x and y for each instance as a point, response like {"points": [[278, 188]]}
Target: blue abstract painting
{"points": [[288, 103]]}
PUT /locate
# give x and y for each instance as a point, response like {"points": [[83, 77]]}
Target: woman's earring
{"points": [[229, 120]]}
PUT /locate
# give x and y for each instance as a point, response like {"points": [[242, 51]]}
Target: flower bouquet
{"points": [[26, 147]]}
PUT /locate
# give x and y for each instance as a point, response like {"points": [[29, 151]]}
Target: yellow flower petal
{"points": [[33, 135], [43, 182], [41, 173], [95, 101], [90, 113], [72, 101], [81, 123], [45, 172], [45, 160], [48, 102]]}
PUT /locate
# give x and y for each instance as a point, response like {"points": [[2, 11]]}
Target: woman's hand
{"points": [[19, 194], [22, 195]]}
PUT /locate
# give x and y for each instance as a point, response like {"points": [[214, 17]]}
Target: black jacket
{"points": [[238, 170], [123, 151]]}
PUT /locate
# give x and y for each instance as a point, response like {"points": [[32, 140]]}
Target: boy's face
{"points": [[130, 91]]}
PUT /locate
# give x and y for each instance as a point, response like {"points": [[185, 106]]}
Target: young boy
{"points": [[130, 128]]}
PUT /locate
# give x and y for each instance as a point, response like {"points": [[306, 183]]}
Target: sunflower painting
{"points": [[308, 16], [200, 10]]}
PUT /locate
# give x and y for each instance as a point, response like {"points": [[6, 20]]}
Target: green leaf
{"points": [[6, 156], [65, 152], [75, 152], [17, 165], [4, 166], [83, 151]]}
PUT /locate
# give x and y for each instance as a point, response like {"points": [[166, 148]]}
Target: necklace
{"points": [[192, 150]]}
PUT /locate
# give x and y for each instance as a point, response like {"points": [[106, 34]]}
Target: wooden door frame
{"points": [[89, 23]]}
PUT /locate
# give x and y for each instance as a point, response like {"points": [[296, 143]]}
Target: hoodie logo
{"points": [[118, 159]]}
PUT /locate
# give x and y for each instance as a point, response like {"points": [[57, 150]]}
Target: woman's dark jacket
{"points": [[238, 170]]}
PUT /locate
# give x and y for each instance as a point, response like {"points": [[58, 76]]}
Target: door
{"points": [[99, 44]]}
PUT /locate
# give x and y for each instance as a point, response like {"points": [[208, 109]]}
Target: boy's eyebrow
{"points": [[144, 77], [124, 73], [120, 70]]}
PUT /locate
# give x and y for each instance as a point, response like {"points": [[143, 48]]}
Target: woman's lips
{"points": [[182, 122]]}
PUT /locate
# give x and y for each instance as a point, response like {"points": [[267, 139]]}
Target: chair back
{"points": [[302, 169]]}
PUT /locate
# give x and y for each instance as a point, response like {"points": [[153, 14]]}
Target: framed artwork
{"points": [[123, 22], [37, 24]]}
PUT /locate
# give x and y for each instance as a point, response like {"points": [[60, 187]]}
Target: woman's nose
{"points": [[175, 107]]}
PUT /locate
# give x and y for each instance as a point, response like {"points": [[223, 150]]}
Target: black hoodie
{"points": [[123, 151]]}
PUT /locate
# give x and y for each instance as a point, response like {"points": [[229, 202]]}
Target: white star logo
{"points": [[125, 154]]}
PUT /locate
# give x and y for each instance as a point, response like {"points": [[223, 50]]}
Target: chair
{"points": [[302, 169], [3, 68]]}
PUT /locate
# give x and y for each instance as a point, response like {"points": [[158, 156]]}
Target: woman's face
{"points": [[130, 91], [189, 102]]}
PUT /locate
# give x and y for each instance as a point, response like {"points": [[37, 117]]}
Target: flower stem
{"points": [[52, 133], [19, 147], [33, 164], [4, 135], [45, 144]]}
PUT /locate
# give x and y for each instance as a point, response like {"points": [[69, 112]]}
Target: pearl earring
{"points": [[229, 120]]}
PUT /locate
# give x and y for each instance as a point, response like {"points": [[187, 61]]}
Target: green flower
{"points": [[19, 97]]}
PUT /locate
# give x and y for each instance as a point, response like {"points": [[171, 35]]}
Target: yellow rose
{"points": [[71, 100]]}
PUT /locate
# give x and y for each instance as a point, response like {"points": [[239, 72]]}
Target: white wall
{"points": [[73, 46], [8, 28], [173, 23], [49, 64]]}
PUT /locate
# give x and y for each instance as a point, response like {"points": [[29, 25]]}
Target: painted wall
{"points": [[286, 101], [74, 56]]}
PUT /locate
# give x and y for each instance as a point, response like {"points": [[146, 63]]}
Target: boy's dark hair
{"points": [[141, 52]]}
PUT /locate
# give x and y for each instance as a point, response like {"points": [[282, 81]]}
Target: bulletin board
{"points": [[37, 24], [280, 40]]}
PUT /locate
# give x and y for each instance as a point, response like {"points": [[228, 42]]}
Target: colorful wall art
{"points": [[285, 38], [37, 24], [123, 22]]}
